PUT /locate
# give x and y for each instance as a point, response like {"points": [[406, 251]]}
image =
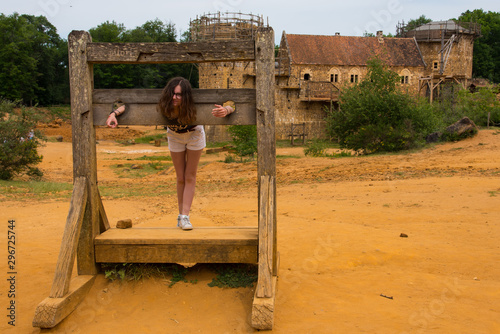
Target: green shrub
{"points": [[19, 141], [244, 139], [477, 105], [315, 148], [376, 116]]}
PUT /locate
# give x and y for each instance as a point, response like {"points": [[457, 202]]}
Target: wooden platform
{"points": [[173, 245]]}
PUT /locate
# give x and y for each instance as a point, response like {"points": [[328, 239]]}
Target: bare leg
{"points": [[186, 166]]}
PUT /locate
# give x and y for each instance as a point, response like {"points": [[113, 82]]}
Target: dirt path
{"points": [[339, 227]]}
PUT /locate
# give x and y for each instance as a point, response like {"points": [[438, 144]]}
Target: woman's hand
{"points": [[220, 111], [111, 122]]}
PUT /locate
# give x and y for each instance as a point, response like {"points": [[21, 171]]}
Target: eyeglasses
{"points": [[177, 94]]}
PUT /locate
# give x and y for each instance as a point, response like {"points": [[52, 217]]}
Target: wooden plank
{"points": [[171, 253], [157, 53], [146, 114], [173, 245], [67, 254], [263, 309], [151, 96], [84, 148], [176, 236], [52, 311], [264, 282], [141, 106]]}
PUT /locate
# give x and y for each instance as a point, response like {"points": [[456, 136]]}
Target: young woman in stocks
{"points": [[185, 142]]}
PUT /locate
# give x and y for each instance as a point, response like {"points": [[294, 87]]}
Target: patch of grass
{"points": [[137, 190], [227, 275], [233, 159], [234, 275], [155, 158], [138, 271], [149, 138], [60, 111], [341, 154], [134, 171], [281, 156], [494, 193], [218, 144], [316, 148], [35, 189]]}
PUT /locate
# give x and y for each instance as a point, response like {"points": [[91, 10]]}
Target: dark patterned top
{"points": [[181, 128]]}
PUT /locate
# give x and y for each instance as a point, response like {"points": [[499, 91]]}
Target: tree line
{"points": [[34, 58]]}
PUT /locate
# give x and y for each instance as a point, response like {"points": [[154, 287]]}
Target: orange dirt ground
{"points": [[339, 227]]}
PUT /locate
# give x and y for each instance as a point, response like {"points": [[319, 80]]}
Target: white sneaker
{"points": [[184, 223]]}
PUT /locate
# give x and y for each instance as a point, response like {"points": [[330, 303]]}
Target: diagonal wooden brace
{"points": [[67, 254]]}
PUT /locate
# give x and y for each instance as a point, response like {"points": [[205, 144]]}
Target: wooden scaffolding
{"points": [[88, 236]]}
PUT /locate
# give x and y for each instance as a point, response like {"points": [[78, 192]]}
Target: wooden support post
{"points": [[263, 304], [84, 149], [266, 137], [67, 254]]}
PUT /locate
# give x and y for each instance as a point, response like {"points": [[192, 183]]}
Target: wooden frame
{"points": [[88, 237]]}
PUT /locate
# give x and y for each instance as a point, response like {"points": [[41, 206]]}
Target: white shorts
{"points": [[191, 140]]}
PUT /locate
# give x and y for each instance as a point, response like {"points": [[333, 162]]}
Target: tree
{"points": [[415, 23], [139, 76], [486, 61], [376, 116], [32, 60]]}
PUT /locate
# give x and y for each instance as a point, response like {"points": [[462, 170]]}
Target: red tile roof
{"points": [[351, 50]]}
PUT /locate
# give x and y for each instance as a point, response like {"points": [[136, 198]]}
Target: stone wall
{"points": [[460, 59]]}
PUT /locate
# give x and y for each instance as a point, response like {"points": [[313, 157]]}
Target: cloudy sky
{"points": [[326, 17]]}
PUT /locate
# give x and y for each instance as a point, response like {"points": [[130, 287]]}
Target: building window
{"points": [[435, 65], [334, 78], [404, 79], [307, 76], [354, 78]]}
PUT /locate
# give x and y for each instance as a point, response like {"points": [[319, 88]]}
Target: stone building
{"points": [[311, 70], [447, 49]]}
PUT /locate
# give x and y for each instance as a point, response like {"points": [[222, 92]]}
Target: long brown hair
{"points": [[187, 110]]}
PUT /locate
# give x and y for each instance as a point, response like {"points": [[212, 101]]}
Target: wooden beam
{"points": [[52, 311], [141, 106], [69, 243], [264, 282], [84, 148], [158, 53]]}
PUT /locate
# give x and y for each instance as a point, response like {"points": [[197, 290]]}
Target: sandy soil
{"points": [[339, 227]]}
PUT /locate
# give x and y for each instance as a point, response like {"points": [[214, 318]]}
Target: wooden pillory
{"points": [[88, 236]]}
